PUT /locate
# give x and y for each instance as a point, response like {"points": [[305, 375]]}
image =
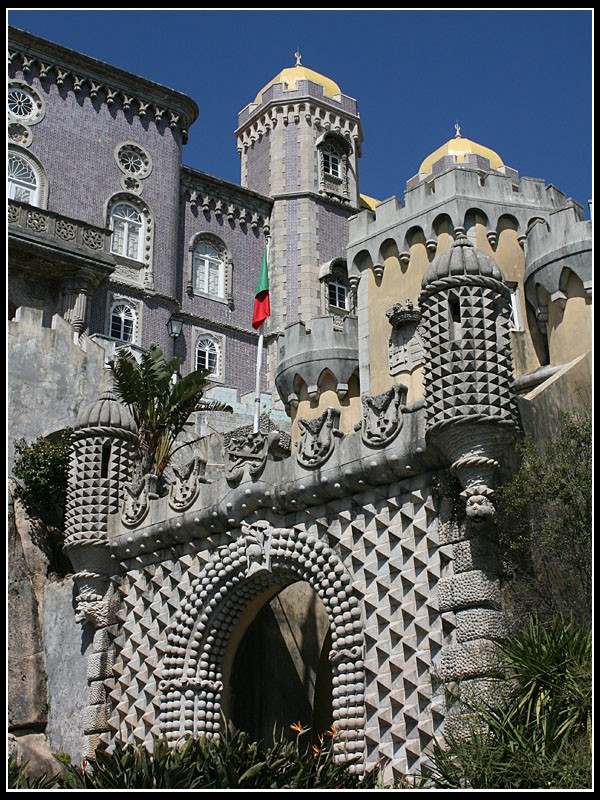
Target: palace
{"points": [[312, 569]]}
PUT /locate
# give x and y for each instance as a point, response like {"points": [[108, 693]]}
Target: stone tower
{"points": [[102, 461], [470, 422], [299, 143]]}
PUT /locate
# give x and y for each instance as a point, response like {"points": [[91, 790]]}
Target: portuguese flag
{"points": [[262, 304]]}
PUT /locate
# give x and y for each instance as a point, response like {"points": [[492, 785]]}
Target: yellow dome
{"points": [[460, 147], [291, 75]]}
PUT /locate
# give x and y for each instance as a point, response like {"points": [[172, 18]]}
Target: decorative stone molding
{"points": [[19, 134], [258, 547], [405, 345], [318, 438], [76, 73], [25, 105], [185, 488], [382, 416], [133, 160], [136, 499], [52, 227], [213, 196], [191, 678], [248, 451]]}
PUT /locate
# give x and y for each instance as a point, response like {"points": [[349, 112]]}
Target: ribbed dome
{"points": [[461, 259], [291, 75], [459, 147], [106, 412]]}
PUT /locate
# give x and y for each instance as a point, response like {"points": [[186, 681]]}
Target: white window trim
{"points": [[117, 300], [199, 334], [40, 193], [128, 226], [225, 280]]}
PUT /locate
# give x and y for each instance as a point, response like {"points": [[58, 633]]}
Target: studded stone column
{"points": [[102, 460], [470, 423]]}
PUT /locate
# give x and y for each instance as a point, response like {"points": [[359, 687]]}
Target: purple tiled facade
{"points": [[91, 110]]}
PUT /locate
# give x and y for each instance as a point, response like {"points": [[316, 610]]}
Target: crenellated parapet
{"points": [[447, 202], [309, 352], [557, 247]]}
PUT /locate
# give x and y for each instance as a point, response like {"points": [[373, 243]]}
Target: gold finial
{"points": [[457, 129], [298, 57]]}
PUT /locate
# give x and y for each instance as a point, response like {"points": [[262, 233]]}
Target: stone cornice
{"points": [[225, 199], [323, 116], [78, 72]]}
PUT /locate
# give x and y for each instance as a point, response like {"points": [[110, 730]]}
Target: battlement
{"points": [[307, 351]]}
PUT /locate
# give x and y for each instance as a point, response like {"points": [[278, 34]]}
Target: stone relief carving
{"points": [[136, 497], [247, 450], [382, 416], [318, 438], [405, 346], [258, 547], [185, 488]]}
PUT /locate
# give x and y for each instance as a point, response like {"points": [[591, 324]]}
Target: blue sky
{"points": [[517, 81]]}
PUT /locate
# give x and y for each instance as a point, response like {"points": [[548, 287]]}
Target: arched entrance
{"points": [[276, 670], [208, 630]]}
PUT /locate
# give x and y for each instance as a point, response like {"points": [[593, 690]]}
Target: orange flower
{"points": [[316, 751], [331, 732], [297, 726]]}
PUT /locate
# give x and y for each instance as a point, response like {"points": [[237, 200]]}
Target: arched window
{"points": [[127, 224], [24, 182], [208, 270], [208, 354], [123, 319]]}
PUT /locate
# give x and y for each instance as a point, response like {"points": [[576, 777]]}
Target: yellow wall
{"points": [[570, 330], [400, 282], [328, 398]]}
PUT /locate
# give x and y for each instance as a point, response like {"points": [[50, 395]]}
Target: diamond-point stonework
{"points": [[326, 552]]}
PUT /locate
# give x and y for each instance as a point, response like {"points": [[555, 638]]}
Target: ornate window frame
{"points": [[146, 244], [216, 343], [335, 272], [135, 163], [40, 198], [21, 95], [224, 293], [333, 153], [116, 301]]}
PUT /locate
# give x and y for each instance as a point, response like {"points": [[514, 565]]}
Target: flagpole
{"points": [[259, 357], [258, 369]]}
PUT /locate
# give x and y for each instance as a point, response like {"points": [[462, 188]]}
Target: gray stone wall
{"points": [[50, 377], [66, 647]]}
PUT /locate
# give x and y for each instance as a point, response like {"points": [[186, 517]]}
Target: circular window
{"points": [[24, 104], [133, 160]]}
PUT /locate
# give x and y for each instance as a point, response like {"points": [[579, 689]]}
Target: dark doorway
{"points": [[280, 673]]}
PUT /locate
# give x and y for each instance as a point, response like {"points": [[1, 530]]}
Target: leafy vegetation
{"points": [[546, 533], [232, 761], [42, 469], [161, 407], [539, 739]]}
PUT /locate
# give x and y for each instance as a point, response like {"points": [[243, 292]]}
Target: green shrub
{"points": [[42, 469], [232, 761], [541, 738]]}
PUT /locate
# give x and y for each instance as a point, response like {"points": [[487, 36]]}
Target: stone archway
{"points": [[276, 670], [263, 559]]}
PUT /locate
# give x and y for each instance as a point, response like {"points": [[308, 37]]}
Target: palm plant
{"points": [[541, 738], [160, 407]]}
